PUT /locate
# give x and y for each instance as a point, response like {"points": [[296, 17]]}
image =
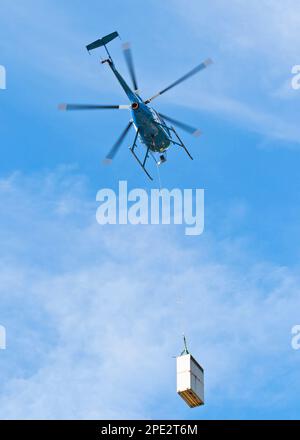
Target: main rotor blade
{"points": [[192, 130], [115, 148], [92, 107], [129, 62], [183, 78]]}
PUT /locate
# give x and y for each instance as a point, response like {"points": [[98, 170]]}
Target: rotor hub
{"points": [[135, 105]]}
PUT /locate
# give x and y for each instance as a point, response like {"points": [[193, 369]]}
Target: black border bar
{"points": [[134, 429]]}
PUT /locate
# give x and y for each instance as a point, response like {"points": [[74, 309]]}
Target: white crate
{"points": [[190, 380]]}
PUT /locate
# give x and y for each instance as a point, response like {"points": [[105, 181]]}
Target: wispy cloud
{"points": [[254, 46], [97, 313], [52, 44]]}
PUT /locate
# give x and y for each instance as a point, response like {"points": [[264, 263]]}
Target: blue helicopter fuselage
{"points": [[152, 130]]}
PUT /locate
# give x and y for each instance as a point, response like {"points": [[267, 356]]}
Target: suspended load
{"points": [[190, 379]]}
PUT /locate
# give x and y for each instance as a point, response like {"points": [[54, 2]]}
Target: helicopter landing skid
{"points": [[147, 155], [179, 141]]}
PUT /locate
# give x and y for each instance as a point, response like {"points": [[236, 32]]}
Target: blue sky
{"points": [[94, 315]]}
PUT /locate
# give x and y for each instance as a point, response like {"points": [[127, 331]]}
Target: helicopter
{"points": [[153, 130]]}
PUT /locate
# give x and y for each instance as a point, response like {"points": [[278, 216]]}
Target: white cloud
{"points": [[54, 46], [254, 45], [94, 314], [264, 27]]}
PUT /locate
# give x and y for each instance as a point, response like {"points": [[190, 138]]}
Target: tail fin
{"points": [[102, 41]]}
